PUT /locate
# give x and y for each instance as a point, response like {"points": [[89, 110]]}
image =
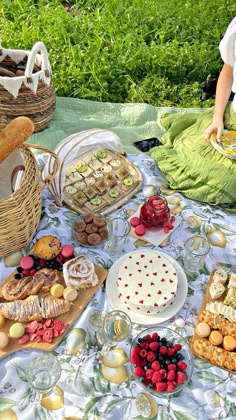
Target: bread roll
{"points": [[13, 135]]}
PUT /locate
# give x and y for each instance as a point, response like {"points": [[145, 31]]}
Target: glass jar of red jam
{"points": [[155, 212]]}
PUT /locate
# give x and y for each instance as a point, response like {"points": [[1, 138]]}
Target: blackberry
{"points": [[140, 340], [163, 340], [17, 276], [19, 269], [37, 267], [169, 344], [60, 268]]}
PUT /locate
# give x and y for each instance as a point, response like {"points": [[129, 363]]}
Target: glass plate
{"points": [[227, 144]]}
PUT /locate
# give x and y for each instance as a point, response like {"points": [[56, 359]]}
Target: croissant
{"points": [[34, 309]]}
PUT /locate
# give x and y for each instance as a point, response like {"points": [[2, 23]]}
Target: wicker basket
{"points": [[20, 213], [30, 95]]}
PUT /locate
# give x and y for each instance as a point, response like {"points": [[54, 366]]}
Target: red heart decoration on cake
{"points": [[155, 304], [141, 301], [174, 274], [128, 308], [173, 293], [137, 263], [126, 285], [119, 278], [159, 292], [149, 295], [126, 266], [148, 312], [136, 293], [147, 275], [166, 272], [130, 274], [127, 297], [119, 295], [171, 303], [145, 266], [165, 297], [138, 308], [130, 256], [158, 312], [140, 284], [142, 255], [171, 281], [150, 261], [162, 280], [163, 265], [159, 256], [152, 284], [154, 274], [164, 304], [139, 271]]}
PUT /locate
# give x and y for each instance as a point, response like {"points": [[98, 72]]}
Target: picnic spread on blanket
{"points": [[117, 269]]}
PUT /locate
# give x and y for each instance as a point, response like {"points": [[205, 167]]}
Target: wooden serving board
{"points": [[207, 299], [79, 304]]}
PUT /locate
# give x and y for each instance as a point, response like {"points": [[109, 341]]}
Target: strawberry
{"points": [[163, 350], [156, 377], [180, 377], [171, 366], [154, 346], [59, 325], [150, 356], [156, 365], [170, 351], [149, 373], [139, 371], [181, 365], [161, 386], [47, 336], [171, 375], [31, 327], [177, 347], [24, 339]]}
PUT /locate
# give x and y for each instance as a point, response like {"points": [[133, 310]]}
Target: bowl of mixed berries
{"points": [[161, 360]]}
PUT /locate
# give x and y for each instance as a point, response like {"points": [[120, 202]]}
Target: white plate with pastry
{"points": [[112, 291]]}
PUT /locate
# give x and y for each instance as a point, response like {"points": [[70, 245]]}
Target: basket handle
{"points": [[39, 46], [56, 163]]}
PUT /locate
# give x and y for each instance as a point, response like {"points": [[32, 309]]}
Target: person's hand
{"points": [[214, 128]]}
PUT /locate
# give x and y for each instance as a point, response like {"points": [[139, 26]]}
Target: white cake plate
{"points": [[136, 317]]}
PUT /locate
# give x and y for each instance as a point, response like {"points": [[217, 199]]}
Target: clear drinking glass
{"points": [[43, 373], [117, 327], [196, 250], [118, 229]]}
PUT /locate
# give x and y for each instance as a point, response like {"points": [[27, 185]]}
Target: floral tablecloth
{"points": [[83, 392]]}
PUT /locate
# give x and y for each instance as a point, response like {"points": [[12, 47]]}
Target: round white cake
{"points": [[147, 282]]}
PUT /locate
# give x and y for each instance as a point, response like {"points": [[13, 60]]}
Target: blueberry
{"points": [[60, 268], [168, 362], [140, 340], [18, 276], [148, 364], [19, 269], [37, 267], [163, 340], [174, 360], [161, 358]]}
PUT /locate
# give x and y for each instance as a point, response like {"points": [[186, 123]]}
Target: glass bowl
{"points": [[79, 221], [172, 338]]}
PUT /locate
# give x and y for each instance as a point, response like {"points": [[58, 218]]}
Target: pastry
{"points": [[203, 329], [221, 309], [70, 294], [215, 338], [146, 282], [218, 322], [216, 290], [80, 273], [90, 192], [90, 180], [80, 198], [4, 340], [115, 163], [95, 164], [47, 247], [98, 175], [220, 276], [229, 343], [106, 169], [75, 177], [232, 280], [34, 309], [80, 185], [230, 298], [215, 355], [70, 191]]}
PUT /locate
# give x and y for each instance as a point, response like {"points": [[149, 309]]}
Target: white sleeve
{"points": [[227, 44]]}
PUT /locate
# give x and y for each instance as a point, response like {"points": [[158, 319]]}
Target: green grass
{"points": [[154, 51]]}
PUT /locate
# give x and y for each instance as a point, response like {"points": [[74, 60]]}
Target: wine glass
{"points": [[43, 373], [117, 327]]}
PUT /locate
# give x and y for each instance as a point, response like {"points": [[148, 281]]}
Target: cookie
{"points": [[47, 247]]}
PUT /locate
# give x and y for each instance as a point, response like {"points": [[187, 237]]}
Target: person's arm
{"points": [[223, 90]]}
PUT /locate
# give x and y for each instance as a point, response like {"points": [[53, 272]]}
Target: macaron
{"points": [[4, 340], [216, 338], [17, 330], [70, 294], [26, 262], [203, 329], [135, 221], [140, 230], [67, 251], [57, 290], [229, 343]]}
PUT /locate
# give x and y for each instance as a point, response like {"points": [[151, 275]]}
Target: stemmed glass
{"points": [[43, 373], [118, 229], [116, 328]]}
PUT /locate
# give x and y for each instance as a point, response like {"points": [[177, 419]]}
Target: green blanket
{"points": [[193, 166]]}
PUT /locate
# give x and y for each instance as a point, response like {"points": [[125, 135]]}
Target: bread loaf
{"points": [[13, 135]]}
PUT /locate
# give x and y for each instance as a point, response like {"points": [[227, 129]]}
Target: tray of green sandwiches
{"points": [[100, 182]]}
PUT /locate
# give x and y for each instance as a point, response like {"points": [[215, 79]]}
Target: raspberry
{"points": [[166, 230], [177, 347], [154, 346], [171, 375], [171, 351], [148, 338], [156, 365], [156, 377], [142, 362], [181, 365], [146, 382], [170, 387], [135, 350], [143, 345], [161, 386], [163, 350], [139, 371], [134, 359], [171, 366], [42, 263], [163, 373], [150, 356], [149, 373], [26, 272], [172, 219], [33, 271], [143, 353], [154, 336], [180, 377]]}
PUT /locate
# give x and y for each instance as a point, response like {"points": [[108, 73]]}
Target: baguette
{"points": [[13, 135]]}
